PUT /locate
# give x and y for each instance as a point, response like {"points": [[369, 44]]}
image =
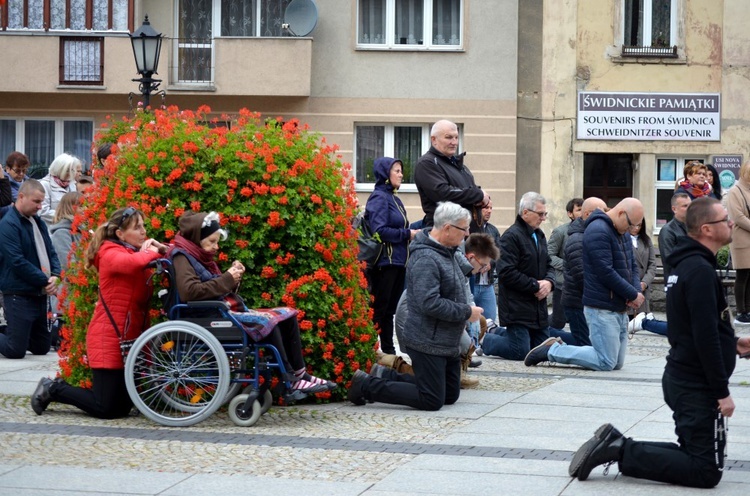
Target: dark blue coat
{"points": [[611, 276], [20, 271], [573, 288], [386, 215]]}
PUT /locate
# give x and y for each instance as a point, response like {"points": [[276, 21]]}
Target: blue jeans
{"points": [[609, 339], [484, 296], [27, 326], [578, 326], [514, 343], [655, 326]]}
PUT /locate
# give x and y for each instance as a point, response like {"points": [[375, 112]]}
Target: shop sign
{"points": [[649, 116], [728, 167]]}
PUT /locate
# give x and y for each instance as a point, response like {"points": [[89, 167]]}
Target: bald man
{"points": [[572, 297], [611, 285], [441, 176]]}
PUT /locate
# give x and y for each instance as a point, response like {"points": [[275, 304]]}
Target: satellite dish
{"points": [[300, 17]]}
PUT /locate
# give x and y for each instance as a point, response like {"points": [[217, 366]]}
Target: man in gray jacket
{"points": [[437, 315]]}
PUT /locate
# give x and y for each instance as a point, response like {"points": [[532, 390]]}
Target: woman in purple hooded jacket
{"points": [[386, 215]]}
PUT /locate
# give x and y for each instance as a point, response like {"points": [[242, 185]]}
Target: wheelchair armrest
{"points": [[208, 304]]}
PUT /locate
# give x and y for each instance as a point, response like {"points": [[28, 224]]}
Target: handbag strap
{"points": [[111, 319]]}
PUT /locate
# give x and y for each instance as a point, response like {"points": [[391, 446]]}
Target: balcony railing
{"points": [[649, 51], [194, 60]]}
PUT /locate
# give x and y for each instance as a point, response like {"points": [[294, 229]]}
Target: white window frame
{"points": [[389, 147], [676, 29], [390, 31], [59, 141], [681, 160]]}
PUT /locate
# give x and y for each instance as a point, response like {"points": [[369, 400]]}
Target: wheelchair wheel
{"points": [[246, 419], [265, 402], [177, 373]]}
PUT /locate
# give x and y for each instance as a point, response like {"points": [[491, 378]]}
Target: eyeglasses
{"points": [[464, 229], [630, 224], [20, 170], [129, 212], [540, 214], [725, 219]]}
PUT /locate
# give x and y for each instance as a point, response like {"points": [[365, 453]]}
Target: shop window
{"points": [[669, 170], [44, 139]]}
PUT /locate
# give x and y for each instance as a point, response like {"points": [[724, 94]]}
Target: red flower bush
{"points": [[286, 200]]}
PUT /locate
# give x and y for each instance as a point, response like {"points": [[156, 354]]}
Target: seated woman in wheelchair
{"points": [[198, 277]]}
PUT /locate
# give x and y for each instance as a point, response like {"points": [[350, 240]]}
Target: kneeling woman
{"points": [[198, 277], [121, 254]]}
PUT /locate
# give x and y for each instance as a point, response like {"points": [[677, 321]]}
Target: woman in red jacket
{"points": [[120, 252]]}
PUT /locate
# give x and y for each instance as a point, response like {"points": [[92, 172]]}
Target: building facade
{"points": [[371, 77], [619, 94]]}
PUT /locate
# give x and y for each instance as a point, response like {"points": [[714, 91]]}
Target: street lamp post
{"points": [[146, 43]]}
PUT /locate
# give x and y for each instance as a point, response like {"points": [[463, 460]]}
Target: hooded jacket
{"points": [[438, 310], [523, 263], [440, 178], [703, 345], [573, 288], [125, 288], [611, 276], [386, 215]]}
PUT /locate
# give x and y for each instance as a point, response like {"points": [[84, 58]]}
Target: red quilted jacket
{"points": [[123, 280]]}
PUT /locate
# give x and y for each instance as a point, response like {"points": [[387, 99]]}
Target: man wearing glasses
{"points": [[611, 285], [702, 356], [526, 278]]}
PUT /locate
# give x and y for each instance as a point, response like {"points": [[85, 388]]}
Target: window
{"points": [[608, 176], [650, 28], [81, 60], [198, 20], [668, 171], [44, 139], [404, 141], [410, 24], [77, 15]]}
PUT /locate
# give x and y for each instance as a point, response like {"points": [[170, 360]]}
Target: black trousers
{"points": [[436, 382], [285, 337], [558, 312], [107, 399], [742, 290], [698, 458], [387, 284]]}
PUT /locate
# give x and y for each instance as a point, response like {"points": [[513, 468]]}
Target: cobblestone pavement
{"points": [[336, 442]]}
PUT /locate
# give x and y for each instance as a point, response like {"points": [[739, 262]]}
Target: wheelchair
{"points": [[181, 371]]}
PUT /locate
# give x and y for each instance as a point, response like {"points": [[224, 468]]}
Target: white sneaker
{"points": [[649, 316], [636, 324]]}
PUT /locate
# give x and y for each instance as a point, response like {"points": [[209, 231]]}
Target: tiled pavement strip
{"points": [[518, 430]]}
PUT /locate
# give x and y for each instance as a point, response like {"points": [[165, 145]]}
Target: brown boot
{"points": [[468, 382], [396, 363]]}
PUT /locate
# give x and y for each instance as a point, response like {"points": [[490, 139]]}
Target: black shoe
{"points": [[539, 354], [605, 447], [474, 363], [41, 398], [742, 318], [355, 393]]}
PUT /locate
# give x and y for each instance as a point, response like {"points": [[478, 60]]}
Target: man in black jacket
{"points": [[526, 277], [696, 379], [441, 176]]}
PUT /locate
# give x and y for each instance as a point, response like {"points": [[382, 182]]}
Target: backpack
{"points": [[370, 246]]}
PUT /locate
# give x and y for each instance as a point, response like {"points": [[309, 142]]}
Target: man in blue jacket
{"points": [[702, 356], [611, 285], [29, 271]]}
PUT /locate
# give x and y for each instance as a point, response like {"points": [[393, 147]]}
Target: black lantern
{"points": [[146, 43]]}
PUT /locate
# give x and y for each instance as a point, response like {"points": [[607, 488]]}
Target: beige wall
{"points": [[580, 53]]}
